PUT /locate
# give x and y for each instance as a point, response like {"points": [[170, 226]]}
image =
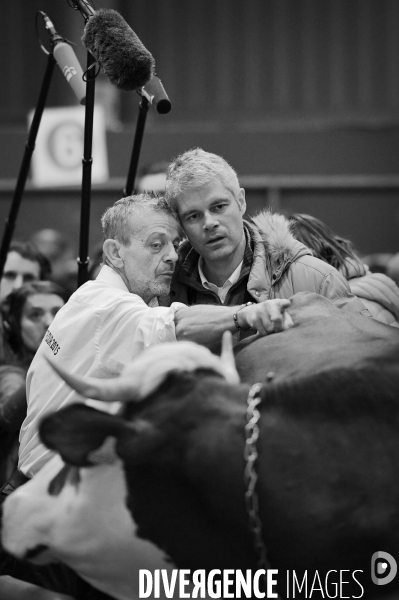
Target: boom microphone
{"points": [[118, 50], [156, 95], [67, 61]]}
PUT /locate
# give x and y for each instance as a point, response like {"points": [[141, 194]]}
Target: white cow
{"points": [[85, 525], [78, 515]]}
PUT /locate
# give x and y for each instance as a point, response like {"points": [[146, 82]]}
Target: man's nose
{"points": [[47, 319], [18, 282], [171, 255], [210, 221]]}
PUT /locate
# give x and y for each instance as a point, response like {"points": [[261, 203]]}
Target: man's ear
{"points": [[241, 201], [111, 249]]}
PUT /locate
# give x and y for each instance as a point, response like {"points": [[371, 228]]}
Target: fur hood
{"points": [[274, 231]]}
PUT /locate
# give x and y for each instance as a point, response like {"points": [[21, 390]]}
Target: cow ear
{"points": [[77, 430]]}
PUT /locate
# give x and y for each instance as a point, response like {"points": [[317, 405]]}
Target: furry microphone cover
{"points": [[118, 50]]}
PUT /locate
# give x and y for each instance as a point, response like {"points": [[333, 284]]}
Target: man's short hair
{"points": [[196, 168], [117, 222], [30, 252]]}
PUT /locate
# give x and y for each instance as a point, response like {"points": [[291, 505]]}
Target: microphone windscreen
{"points": [[118, 50]]}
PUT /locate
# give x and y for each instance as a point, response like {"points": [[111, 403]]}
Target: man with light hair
{"points": [[106, 322], [229, 261]]}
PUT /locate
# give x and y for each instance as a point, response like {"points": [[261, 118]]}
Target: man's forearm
{"points": [[204, 323]]}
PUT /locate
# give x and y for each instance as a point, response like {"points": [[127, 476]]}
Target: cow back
{"points": [[323, 337]]}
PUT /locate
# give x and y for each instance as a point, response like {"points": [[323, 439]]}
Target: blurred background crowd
{"points": [[301, 97]]}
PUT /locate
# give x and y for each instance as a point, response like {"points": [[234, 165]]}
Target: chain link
{"points": [[250, 474]]}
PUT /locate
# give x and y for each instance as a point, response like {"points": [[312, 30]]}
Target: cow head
{"points": [[77, 431], [176, 434]]}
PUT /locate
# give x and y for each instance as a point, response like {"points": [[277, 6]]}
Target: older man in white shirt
{"points": [[108, 321]]}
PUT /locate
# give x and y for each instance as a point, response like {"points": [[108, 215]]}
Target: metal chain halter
{"points": [[250, 474]]}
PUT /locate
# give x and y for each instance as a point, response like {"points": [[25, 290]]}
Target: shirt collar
{"points": [[111, 277], [234, 277], [188, 272]]}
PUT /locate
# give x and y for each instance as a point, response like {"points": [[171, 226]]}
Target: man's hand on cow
{"points": [[266, 317], [205, 324]]}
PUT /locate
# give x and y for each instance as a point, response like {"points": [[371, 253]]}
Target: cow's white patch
{"points": [[88, 528]]}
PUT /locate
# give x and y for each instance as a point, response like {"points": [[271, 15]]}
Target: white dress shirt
{"points": [[96, 334]]}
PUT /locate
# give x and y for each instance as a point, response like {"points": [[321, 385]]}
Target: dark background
{"points": [[300, 96]]}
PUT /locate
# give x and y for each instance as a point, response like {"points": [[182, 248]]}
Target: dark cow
{"points": [[328, 451], [322, 338]]}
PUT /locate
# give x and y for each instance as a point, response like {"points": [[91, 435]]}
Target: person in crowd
{"points": [[27, 313], [377, 262], [227, 260], [378, 292], [57, 248], [106, 322], [24, 263], [152, 178]]}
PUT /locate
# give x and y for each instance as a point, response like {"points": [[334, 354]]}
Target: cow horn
{"points": [[227, 358], [107, 390]]}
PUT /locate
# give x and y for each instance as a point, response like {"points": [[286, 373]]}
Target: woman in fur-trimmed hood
{"points": [[378, 292], [227, 260]]}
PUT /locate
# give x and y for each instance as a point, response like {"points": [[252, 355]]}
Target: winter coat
{"points": [[378, 292], [281, 267]]}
